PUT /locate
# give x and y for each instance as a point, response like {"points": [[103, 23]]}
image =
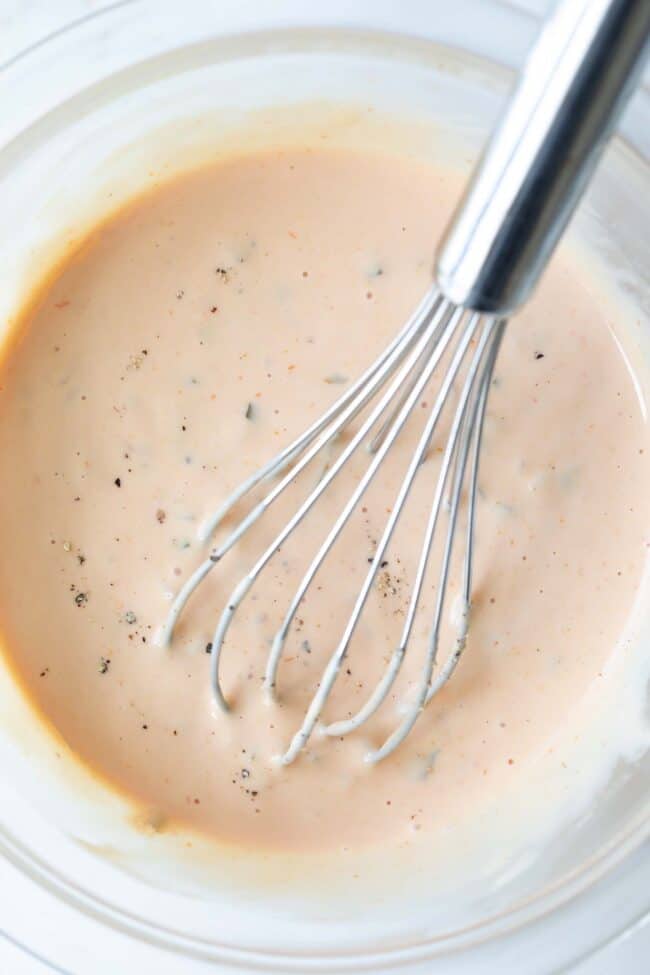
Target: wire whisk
{"points": [[576, 82]]}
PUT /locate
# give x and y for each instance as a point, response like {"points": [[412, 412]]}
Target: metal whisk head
{"points": [[577, 80], [396, 380]]}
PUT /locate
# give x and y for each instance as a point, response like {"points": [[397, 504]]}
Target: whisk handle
{"points": [[575, 84]]}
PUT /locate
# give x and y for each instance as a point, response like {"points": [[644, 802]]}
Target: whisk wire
{"points": [[360, 392], [407, 366], [477, 432], [426, 688], [450, 320], [441, 312], [335, 662], [382, 689], [340, 414]]}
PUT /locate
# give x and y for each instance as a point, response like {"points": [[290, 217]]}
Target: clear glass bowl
{"points": [[104, 107]]}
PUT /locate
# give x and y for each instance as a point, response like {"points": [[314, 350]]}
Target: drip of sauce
{"points": [[191, 336]]}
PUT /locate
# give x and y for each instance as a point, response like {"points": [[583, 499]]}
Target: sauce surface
{"points": [[189, 338]]}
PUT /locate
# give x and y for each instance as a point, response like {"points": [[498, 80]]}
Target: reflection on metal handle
{"points": [[576, 81]]}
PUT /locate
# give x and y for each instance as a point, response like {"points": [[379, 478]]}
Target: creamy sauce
{"points": [[189, 338]]}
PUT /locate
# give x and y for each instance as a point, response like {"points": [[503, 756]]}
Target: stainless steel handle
{"points": [[576, 81]]}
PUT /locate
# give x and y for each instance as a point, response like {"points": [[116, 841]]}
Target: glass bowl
{"points": [[116, 101]]}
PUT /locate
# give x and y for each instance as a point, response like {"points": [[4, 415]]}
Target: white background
{"points": [[22, 22]]}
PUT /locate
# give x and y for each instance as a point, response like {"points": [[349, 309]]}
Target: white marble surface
{"points": [[23, 23]]}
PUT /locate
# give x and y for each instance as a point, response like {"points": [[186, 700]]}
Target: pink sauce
{"points": [[190, 337]]}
